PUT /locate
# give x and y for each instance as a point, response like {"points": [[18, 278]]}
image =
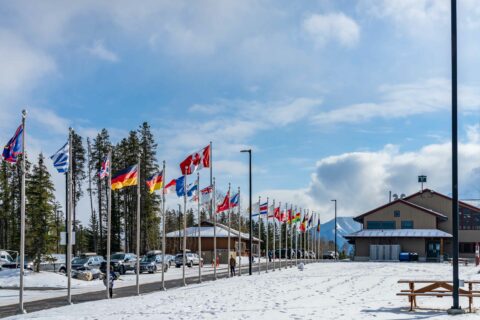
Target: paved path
{"points": [[32, 306]]}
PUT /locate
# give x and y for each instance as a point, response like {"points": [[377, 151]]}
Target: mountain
{"points": [[345, 225]]}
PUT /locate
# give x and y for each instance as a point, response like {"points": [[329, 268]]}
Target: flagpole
{"points": [[239, 236], [109, 221], [228, 239], [199, 230], [286, 235], [259, 236], [274, 254], [138, 227], [280, 237], [291, 234], [319, 237], [184, 225], [296, 240], [304, 238], [266, 242], [213, 202], [22, 219], [163, 227], [69, 227]]}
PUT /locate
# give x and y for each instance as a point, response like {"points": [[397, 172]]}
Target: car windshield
{"points": [[79, 260], [118, 256], [148, 258], [179, 256]]}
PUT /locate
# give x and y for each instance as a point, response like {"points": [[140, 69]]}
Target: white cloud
{"points": [[99, 50], [360, 181], [404, 100], [332, 27]]}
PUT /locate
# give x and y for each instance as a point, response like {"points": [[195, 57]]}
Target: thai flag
{"points": [[105, 168], [14, 146], [264, 208], [60, 158]]}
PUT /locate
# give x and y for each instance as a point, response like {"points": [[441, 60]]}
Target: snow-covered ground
{"points": [[329, 290]]}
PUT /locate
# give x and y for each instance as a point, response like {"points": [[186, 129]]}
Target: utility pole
{"points": [[250, 209]]}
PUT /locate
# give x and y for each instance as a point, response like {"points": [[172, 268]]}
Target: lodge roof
{"points": [[207, 231], [399, 233]]}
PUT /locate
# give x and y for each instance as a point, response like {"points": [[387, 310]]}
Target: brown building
{"points": [[420, 223], [174, 241]]}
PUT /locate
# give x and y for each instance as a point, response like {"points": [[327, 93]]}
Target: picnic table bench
{"points": [[439, 289]]}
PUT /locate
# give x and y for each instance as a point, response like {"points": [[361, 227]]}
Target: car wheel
{"points": [[177, 266], [62, 270], [190, 264], [122, 270], [165, 268]]}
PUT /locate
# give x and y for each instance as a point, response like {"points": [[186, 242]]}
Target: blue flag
{"points": [[60, 159], [180, 186], [14, 146]]}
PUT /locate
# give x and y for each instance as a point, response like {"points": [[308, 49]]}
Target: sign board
{"points": [[63, 238]]}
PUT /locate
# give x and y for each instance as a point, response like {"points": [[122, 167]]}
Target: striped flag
{"points": [[61, 158], [155, 182], [125, 178], [105, 169], [263, 208], [14, 146]]}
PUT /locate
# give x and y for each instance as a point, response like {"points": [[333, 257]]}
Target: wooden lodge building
{"points": [[174, 241], [420, 223]]}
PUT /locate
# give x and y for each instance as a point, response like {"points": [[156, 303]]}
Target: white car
{"points": [[191, 259], [5, 257]]}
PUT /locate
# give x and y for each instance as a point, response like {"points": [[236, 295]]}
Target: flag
{"points": [[271, 211], [310, 221], [234, 200], [191, 188], [155, 182], [276, 214], [14, 146], [303, 224], [125, 178], [318, 225], [60, 158], [263, 208], [196, 161], [289, 216], [206, 194], [297, 218], [225, 204], [105, 168], [171, 186], [180, 186]]}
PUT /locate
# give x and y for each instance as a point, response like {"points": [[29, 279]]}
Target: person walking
{"points": [[112, 276], [233, 263]]}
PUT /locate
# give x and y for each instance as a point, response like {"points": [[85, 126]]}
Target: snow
{"points": [[10, 278], [327, 290]]}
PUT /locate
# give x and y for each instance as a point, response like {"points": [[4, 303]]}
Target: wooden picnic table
{"points": [[439, 289]]}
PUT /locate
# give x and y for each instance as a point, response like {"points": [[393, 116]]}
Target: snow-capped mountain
{"points": [[345, 225]]}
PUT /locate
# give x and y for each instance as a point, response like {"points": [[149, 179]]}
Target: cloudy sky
{"points": [[338, 99]]}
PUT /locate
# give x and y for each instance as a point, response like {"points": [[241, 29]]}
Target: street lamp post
{"points": [[250, 208], [335, 241]]}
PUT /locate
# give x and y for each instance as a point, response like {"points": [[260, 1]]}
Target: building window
{"points": [[469, 219], [396, 213], [407, 224], [380, 224], [467, 247]]}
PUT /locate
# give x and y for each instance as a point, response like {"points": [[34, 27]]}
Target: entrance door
{"points": [[433, 250]]}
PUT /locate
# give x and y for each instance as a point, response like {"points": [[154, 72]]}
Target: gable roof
{"points": [[460, 203], [398, 233], [207, 231], [413, 205]]}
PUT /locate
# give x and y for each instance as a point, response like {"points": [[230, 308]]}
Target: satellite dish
{"points": [[395, 196], [402, 196]]}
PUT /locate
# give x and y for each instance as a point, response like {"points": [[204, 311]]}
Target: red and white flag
{"points": [[171, 186], [225, 205], [196, 161]]}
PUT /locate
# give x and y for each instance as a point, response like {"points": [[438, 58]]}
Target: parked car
{"points": [[152, 263], [191, 259], [84, 263], [170, 259], [5, 257], [331, 255], [121, 262], [312, 254]]}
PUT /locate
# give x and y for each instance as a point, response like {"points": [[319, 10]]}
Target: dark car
{"points": [[152, 263], [121, 262], [84, 263]]}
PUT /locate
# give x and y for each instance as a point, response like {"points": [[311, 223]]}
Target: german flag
{"points": [[155, 182], [125, 178]]}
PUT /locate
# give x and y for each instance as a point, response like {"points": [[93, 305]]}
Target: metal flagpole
{"points": [[266, 241], [22, 218], [259, 236], [199, 230], [109, 222], [291, 234], [138, 227], [274, 254], [280, 238], [286, 235], [213, 202], [296, 240], [305, 237], [228, 238], [308, 236], [163, 226], [69, 226], [239, 236], [184, 225], [319, 237]]}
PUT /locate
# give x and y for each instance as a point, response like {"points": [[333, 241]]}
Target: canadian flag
{"points": [[225, 205], [196, 161]]}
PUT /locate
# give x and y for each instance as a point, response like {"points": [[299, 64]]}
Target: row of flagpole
{"points": [[130, 177]]}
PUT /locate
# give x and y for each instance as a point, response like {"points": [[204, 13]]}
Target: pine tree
{"points": [[40, 213], [78, 175]]}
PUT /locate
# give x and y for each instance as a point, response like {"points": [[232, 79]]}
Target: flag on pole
{"points": [[171, 186], [318, 225], [60, 158], [155, 182], [277, 215], [271, 211], [192, 189], [234, 200], [225, 205], [297, 218], [125, 178], [303, 225], [310, 221], [263, 209], [105, 168], [180, 186], [196, 161], [14, 146]]}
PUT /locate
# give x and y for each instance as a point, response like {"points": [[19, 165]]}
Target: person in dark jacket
{"points": [[112, 276], [233, 263]]}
